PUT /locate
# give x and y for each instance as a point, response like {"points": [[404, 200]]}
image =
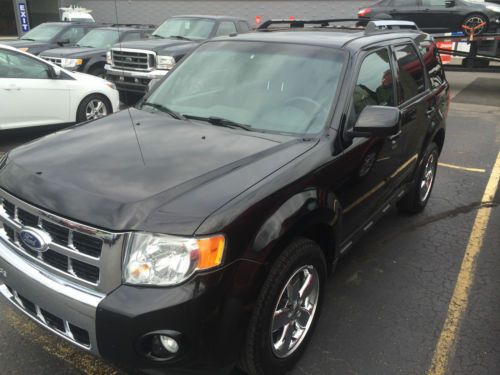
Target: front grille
{"points": [[64, 328], [133, 60], [76, 251], [54, 60]]}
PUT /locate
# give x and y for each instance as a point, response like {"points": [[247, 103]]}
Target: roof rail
{"points": [[136, 25], [382, 25], [302, 23]]}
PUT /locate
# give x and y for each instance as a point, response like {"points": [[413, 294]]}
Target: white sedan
{"points": [[34, 92]]}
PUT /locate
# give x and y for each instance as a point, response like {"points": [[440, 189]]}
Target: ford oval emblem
{"points": [[34, 239]]}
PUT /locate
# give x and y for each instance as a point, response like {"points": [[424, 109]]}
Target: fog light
{"points": [[170, 344]]}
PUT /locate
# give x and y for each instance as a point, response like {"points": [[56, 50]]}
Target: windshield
{"points": [[99, 39], [191, 28], [268, 87], [43, 33]]}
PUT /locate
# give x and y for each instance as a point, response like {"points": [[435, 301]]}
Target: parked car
{"points": [[89, 54], [133, 65], [437, 16], [52, 35], [34, 92], [197, 230]]}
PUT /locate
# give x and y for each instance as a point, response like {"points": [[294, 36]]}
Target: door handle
{"points": [[396, 136], [430, 111], [12, 88]]}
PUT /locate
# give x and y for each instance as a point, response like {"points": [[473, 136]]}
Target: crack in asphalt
{"points": [[465, 209]]}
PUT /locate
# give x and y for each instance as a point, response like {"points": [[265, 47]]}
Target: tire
{"points": [[98, 72], [418, 196], [473, 20], [302, 260], [82, 114]]}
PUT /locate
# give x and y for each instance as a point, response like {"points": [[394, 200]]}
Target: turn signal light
{"points": [[210, 252], [364, 12]]}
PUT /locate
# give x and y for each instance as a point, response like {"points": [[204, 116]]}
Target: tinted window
{"points": [[226, 28], [16, 65], [131, 36], [191, 28], [375, 84], [404, 3], [99, 39], [411, 72], [73, 35], [272, 87], [432, 62], [434, 3]]}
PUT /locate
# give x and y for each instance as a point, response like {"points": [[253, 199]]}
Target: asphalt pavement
{"points": [[391, 307]]}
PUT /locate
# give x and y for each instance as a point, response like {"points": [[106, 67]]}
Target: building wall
{"points": [[155, 11]]}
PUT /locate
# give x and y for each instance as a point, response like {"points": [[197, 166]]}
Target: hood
{"points": [[31, 44], [95, 173], [156, 44], [74, 52]]}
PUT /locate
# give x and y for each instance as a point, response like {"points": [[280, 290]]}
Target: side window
{"points": [[131, 36], [434, 3], [411, 72], [16, 65], [226, 28], [73, 35], [375, 84], [404, 3], [432, 62], [243, 26]]}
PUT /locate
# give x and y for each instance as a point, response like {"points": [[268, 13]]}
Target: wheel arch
{"points": [[83, 98]]}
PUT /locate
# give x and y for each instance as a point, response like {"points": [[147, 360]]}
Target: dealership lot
{"points": [[386, 305]]}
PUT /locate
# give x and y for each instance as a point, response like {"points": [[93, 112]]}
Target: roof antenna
{"points": [[126, 98]]}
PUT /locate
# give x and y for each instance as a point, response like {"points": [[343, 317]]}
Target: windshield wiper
{"points": [[179, 37], [33, 40], [164, 109], [218, 121]]}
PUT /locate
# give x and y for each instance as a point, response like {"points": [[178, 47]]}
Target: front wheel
{"points": [[475, 23], [418, 196], [286, 311], [93, 107]]}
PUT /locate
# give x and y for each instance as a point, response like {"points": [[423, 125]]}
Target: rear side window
{"points": [[73, 35], [411, 72], [243, 26], [375, 84], [433, 63], [434, 3], [226, 28], [131, 36]]}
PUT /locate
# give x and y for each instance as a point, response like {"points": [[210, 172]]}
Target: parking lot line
{"points": [[460, 298], [452, 166]]}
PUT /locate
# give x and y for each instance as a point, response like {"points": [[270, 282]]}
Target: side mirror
{"points": [[62, 42], [450, 3], [378, 121], [55, 71]]}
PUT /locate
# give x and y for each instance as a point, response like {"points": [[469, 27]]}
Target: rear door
{"points": [[407, 10]]}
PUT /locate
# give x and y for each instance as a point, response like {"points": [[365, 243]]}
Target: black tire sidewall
{"points": [[302, 252]]}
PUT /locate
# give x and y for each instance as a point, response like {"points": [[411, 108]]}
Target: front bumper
{"points": [[133, 81], [66, 309]]}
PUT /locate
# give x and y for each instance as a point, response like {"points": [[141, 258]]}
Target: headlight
{"points": [[109, 59], [165, 62], [71, 63], [157, 259], [23, 49], [494, 8]]}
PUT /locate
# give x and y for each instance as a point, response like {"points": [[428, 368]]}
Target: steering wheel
{"points": [[314, 105]]}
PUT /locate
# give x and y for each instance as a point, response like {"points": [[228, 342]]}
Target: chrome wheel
{"points": [[294, 312], [428, 178], [473, 22], [95, 109]]}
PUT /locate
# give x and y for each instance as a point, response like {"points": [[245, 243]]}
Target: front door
{"points": [[28, 94], [438, 18], [405, 10]]}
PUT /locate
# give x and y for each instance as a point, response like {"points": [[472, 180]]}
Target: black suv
{"points": [[439, 16], [52, 35], [133, 65], [89, 54], [196, 230]]}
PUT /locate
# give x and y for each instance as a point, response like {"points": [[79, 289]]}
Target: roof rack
{"points": [[135, 25], [369, 25]]}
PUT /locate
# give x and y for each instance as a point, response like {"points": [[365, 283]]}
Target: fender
{"points": [[94, 62], [312, 213]]}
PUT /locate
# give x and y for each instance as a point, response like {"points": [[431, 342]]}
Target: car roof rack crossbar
{"points": [[299, 23], [386, 25]]}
